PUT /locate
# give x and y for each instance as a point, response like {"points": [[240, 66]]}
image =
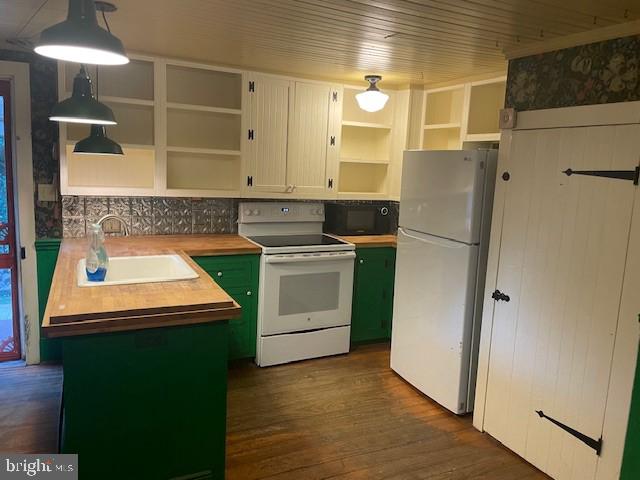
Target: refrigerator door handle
{"points": [[434, 240]]}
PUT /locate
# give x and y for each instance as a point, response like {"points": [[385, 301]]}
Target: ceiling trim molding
{"points": [[481, 77], [582, 38]]}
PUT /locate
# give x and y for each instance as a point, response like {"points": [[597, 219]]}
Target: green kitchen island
{"points": [[145, 365]]}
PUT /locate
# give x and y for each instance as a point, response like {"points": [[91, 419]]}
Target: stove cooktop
{"points": [[296, 240]]}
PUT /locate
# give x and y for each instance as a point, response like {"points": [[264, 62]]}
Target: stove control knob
{"points": [[247, 212], [255, 212]]}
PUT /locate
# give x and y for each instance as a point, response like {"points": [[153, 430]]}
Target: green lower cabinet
{"points": [[148, 404], [239, 276], [373, 281], [46, 258], [243, 331], [631, 459]]}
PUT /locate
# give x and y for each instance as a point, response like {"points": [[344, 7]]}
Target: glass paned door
{"points": [[9, 326]]}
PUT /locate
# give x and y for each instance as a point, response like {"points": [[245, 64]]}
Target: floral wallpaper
{"points": [[44, 135], [602, 72]]}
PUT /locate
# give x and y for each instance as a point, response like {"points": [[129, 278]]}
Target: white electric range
{"points": [[306, 282]]}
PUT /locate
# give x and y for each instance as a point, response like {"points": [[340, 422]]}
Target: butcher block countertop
{"points": [[363, 241], [73, 310]]}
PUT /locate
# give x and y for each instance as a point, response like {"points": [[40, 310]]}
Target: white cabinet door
{"points": [[312, 138], [266, 144], [562, 257]]}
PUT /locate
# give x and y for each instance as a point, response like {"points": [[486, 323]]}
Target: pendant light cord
{"points": [[104, 17]]}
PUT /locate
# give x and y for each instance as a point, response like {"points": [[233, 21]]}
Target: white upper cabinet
{"points": [[196, 130], [269, 99], [313, 138], [292, 137], [462, 113]]}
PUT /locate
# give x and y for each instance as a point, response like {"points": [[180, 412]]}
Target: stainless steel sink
{"points": [[139, 269]]}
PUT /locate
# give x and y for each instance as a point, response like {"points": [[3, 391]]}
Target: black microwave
{"points": [[357, 219]]}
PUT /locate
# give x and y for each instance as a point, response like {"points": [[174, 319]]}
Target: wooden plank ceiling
{"points": [[417, 41]]}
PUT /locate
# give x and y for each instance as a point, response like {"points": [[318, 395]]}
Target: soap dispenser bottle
{"points": [[97, 260]]}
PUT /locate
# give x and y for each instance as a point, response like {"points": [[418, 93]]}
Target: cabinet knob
{"points": [[219, 274], [249, 293], [361, 261]]}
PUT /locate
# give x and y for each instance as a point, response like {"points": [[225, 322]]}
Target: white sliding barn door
{"points": [[561, 261]]}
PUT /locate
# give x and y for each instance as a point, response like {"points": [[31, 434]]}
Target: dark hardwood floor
{"points": [[345, 417], [351, 417], [29, 407]]}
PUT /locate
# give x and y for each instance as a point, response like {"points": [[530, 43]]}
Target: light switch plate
{"points": [[47, 192], [507, 118]]}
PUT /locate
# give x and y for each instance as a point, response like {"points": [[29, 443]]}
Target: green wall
{"points": [[46, 256]]}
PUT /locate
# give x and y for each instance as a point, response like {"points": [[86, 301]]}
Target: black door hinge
{"points": [[334, 96], [332, 140], [506, 176], [23, 253], [498, 295], [595, 444], [250, 135], [331, 183], [250, 181], [252, 86], [633, 175]]}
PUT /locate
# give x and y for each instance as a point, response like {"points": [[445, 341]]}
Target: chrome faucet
{"points": [[111, 216]]}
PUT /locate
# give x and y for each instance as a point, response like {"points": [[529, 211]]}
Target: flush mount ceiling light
{"points": [[80, 39], [97, 143], [81, 107], [372, 99]]}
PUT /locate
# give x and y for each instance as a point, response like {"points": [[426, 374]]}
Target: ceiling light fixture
{"points": [[81, 107], [97, 143], [372, 99], [80, 39]]}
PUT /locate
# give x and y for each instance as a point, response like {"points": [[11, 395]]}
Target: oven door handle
{"points": [[323, 257]]}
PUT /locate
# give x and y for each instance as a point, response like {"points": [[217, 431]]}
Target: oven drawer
{"points": [[230, 271]]}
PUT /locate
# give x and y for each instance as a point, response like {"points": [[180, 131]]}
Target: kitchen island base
{"points": [[147, 404]]}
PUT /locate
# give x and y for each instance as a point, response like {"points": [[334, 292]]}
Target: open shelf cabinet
{"points": [[485, 102], [203, 115], [178, 123], [365, 148], [462, 113], [130, 91]]}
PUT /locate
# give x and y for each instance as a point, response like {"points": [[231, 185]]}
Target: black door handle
{"points": [[498, 295]]}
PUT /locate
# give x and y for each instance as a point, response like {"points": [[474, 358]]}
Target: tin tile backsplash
{"points": [[163, 216]]}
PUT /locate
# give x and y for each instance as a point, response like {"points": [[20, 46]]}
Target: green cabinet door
{"points": [[373, 294], [243, 331], [238, 275]]}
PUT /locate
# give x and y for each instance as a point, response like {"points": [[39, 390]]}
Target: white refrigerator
{"points": [[445, 219]]}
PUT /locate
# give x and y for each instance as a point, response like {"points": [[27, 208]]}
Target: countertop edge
{"points": [[145, 318]]}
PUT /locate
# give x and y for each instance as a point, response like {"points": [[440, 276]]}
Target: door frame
{"points": [[625, 349], [18, 74]]}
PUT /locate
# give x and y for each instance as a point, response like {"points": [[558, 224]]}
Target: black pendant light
{"points": [[81, 107], [80, 39], [97, 143]]}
